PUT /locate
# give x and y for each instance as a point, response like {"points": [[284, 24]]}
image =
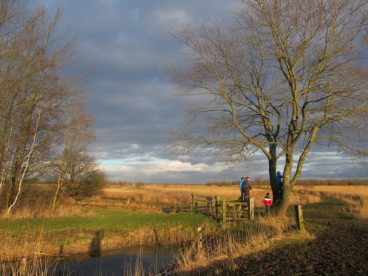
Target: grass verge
{"points": [[119, 228]]}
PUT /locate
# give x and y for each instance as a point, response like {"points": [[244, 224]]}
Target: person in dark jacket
{"points": [[279, 186], [241, 184], [247, 186]]}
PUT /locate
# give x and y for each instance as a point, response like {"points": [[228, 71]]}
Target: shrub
{"points": [[89, 185]]}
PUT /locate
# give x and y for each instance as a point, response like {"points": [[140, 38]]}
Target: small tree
{"points": [[75, 168], [90, 183], [288, 74]]}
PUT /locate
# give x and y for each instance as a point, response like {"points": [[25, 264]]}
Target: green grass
{"points": [[120, 228], [108, 219]]}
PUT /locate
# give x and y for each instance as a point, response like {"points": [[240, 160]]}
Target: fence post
{"points": [[251, 208], [23, 266], [217, 206], [192, 204], [223, 211], [211, 203], [199, 244], [299, 217]]}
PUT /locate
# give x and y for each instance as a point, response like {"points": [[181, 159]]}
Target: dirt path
{"points": [[340, 248]]}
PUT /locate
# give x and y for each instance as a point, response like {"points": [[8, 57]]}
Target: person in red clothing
{"points": [[267, 202]]}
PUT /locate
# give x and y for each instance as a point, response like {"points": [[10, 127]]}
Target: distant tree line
{"points": [[44, 130], [301, 182]]}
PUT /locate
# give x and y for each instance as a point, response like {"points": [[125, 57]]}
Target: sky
{"points": [[127, 44]]}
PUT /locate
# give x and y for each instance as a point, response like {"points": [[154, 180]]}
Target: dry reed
{"points": [[355, 197], [26, 256], [180, 194], [253, 238]]}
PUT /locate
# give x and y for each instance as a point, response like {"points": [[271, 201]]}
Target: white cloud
{"points": [[172, 18], [142, 169], [179, 166]]}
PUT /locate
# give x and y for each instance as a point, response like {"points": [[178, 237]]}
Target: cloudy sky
{"points": [[128, 44]]}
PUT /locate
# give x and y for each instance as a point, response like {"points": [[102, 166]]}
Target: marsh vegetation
{"points": [[37, 233]]}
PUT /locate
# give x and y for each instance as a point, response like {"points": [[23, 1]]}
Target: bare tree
{"points": [[74, 164], [286, 75], [34, 95]]}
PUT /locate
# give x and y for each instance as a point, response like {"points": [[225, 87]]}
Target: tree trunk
{"points": [[26, 165], [286, 187], [272, 162], [57, 192], [285, 199]]}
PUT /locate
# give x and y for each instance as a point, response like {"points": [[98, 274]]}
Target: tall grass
{"points": [[34, 265], [38, 210], [25, 256], [181, 194], [355, 197], [143, 195], [242, 241]]}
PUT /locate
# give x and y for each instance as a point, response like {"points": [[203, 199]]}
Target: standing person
{"points": [[241, 186], [247, 186], [268, 203], [279, 185]]}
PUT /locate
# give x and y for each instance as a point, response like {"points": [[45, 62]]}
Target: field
{"points": [[134, 214], [355, 197]]}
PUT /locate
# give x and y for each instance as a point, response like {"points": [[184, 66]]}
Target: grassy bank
{"points": [[74, 234], [334, 243]]}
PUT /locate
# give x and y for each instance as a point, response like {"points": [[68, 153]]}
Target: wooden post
{"points": [[192, 204], [223, 211], [217, 207], [200, 244], [299, 217], [211, 203], [23, 266], [236, 211], [251, 208]]}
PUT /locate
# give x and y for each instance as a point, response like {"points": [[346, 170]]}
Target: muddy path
{"points": [[340, 247]]}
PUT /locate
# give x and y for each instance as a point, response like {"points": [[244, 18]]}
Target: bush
{"points": [[88, 186]]}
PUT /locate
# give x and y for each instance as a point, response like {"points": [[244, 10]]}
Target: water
{"points": [[117, 262]]}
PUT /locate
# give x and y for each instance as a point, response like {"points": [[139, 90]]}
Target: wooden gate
{"points": [[225, 211]]}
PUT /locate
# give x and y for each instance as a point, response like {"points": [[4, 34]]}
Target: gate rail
{"points": [[226, 211]]}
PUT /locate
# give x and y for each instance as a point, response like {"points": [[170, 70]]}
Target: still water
{"points": [[118, 262]]}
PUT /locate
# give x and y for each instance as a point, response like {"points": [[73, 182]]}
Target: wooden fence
{"points": [[225, 211]]}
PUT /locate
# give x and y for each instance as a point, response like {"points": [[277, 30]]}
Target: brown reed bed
{"points": [[179, 194], [233, 243], [355, 197]]}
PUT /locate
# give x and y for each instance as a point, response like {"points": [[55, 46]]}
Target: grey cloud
{"points": [[128, 43]]}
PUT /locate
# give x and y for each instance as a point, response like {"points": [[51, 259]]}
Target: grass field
{"points": [[355, 197], [121, 228], [35, 231]]}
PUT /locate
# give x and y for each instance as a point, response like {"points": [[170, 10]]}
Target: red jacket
{"points": [[267, 201]]}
